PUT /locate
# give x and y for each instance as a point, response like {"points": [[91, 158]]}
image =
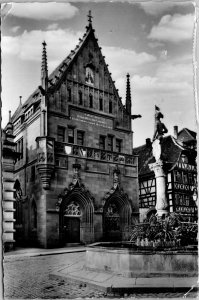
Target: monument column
{"points": [[158, 166], [161, 198]]}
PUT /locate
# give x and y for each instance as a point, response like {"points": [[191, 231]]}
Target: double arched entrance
{"points": [[76, 217], [116, 217]]}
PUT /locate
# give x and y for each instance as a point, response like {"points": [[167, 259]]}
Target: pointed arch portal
{"points": [[76, 217], [116, 216]]}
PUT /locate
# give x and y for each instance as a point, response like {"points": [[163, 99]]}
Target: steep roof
{"points": [[190, 135], [57, 75], [171, 152]]}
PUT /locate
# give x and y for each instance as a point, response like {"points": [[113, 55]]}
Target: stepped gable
{"points": [[171, 152], [59, 74]]}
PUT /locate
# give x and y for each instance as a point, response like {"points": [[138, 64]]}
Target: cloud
{"points": [[174, 28], [27, 46], [123, 60], [158, 8], [44, 11], [53, 26], [15, 29], [60, 42]]}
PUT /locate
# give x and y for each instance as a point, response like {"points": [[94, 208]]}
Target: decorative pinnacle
{"points": [[128, 94], [20, 102], [9, 116], [44, 66], [89, 18]]}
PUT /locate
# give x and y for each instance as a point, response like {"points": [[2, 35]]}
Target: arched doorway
{"points": [[71, 222], [116, 217], [112, 223], [76, 217]]}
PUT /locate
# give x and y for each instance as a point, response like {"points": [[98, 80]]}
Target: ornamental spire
{"points": [[44, 68], [128, 95], [89, 18]]}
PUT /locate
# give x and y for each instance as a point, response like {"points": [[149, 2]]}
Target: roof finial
{"points": [[89, 18], [20, 102], [9, 116]]}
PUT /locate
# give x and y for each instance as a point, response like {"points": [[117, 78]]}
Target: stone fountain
{"points": [[144, 259]]}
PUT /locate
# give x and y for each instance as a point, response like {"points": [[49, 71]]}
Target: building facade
{"points": [[179, 157], [76, 179], [9, 157]]}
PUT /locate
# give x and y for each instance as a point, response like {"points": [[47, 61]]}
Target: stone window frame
{"points": [[70, 140], [90, 100], [61, 135], [101, 104], [82, 137], [118, 145], [102, 137]]}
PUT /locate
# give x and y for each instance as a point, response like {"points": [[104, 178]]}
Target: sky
{"points": [[151, 41]]}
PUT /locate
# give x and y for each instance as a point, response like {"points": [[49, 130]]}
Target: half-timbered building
{"points": [[76, 178], [179, 157]]}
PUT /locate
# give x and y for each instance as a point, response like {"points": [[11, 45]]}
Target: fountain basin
{"points": [[126, 260]]}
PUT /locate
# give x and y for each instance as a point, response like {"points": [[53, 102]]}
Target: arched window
{"points": [[91, 101], [110, 107], [33, 215], [100, 104], [69, 94], [80, 98]]}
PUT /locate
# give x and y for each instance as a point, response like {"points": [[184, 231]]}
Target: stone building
{"points": [[9, 156], [76, 179], [179, 158]]}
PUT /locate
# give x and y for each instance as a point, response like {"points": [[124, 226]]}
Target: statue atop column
{"points": [[160, 128], [158, 166], [159, 131]]}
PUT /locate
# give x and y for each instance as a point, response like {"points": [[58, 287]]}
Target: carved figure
{"points": [[160, 128]]}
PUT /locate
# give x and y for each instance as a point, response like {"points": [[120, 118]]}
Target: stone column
{"points": [[161, 198]]}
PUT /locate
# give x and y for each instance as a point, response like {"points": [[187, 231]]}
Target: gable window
{"points": [[102, 142], [118, 145], [178, 176], [80, 137], [100, 104], [19, 148], [110, 142], [71, 135], [110, 107], [80, 98], [91, 101], [60, 134], [69, 94]]}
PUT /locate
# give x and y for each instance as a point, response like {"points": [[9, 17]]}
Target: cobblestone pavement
{"points": [[28, 278]]}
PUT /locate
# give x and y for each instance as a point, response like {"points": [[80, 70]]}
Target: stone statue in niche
{"points": [[89, 75]]}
